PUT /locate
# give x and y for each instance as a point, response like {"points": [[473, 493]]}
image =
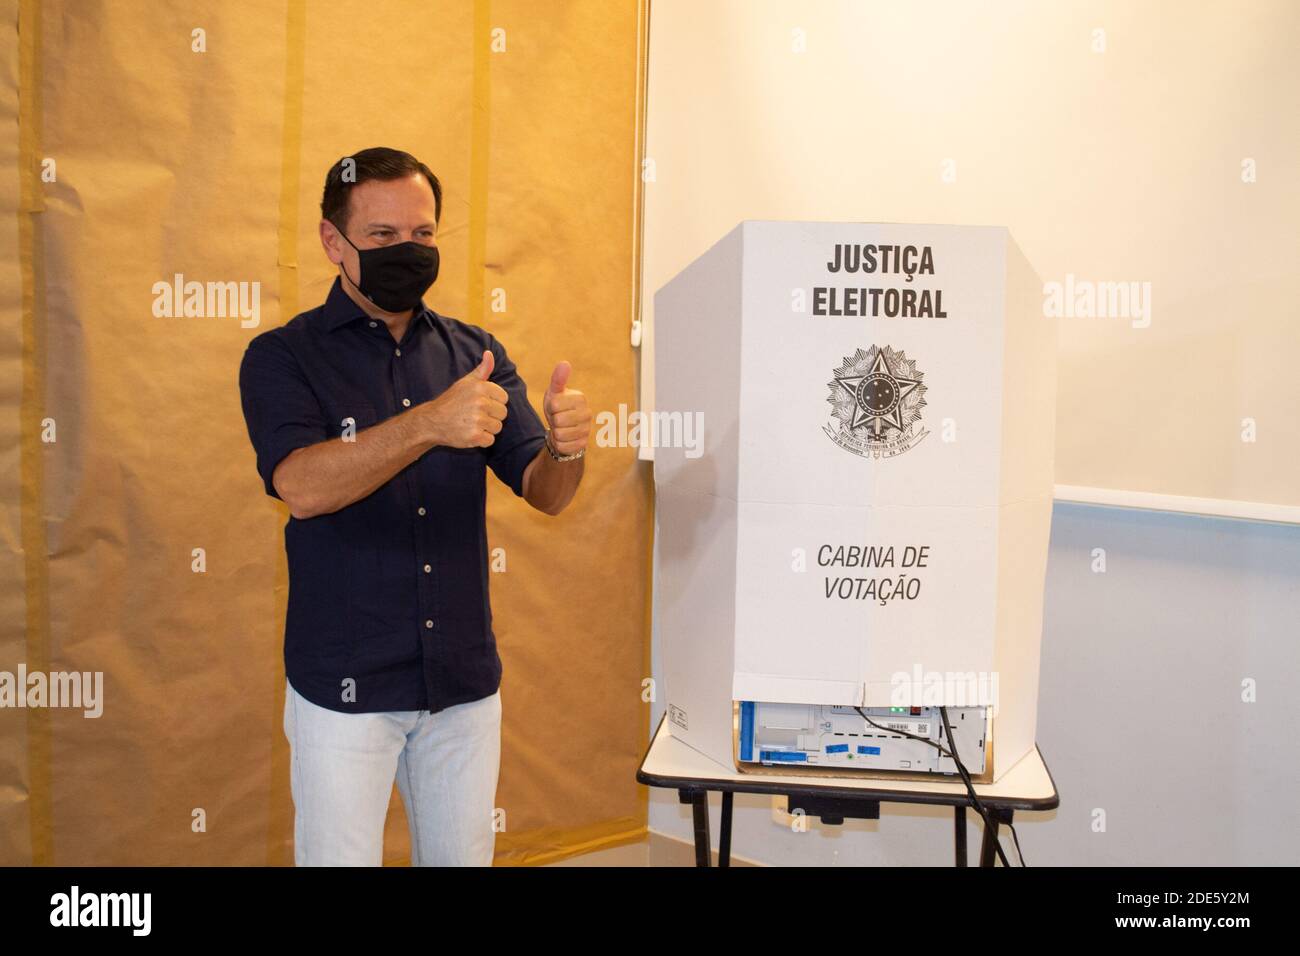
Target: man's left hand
{"points": [[566, 412]]}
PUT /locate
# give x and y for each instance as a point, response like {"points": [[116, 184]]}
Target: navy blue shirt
{"points": [[388, 597]]}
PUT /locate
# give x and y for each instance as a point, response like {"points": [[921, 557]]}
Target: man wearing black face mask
{"points": [[394, 277], [375, 418]]}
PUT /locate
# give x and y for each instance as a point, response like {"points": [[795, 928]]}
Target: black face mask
{"points": [[395, 277]]}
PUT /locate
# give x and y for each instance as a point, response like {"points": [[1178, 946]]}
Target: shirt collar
{"points": [[340, 309]]}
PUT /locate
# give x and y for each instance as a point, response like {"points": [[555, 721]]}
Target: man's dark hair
{"points": [[378, 162]]}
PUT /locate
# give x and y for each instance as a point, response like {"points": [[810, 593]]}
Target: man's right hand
{"points": [[470, 413]]}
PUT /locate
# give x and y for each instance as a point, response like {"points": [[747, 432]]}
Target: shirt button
{"points": [[421, 512], [428, 625], [428, 568], [373, 323], [398, 351], [406, 402]]}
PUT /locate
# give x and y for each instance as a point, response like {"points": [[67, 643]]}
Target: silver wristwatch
{"points": [[556, 455]]}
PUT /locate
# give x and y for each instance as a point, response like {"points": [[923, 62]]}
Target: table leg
{"points": [[700, 805], [959, 833], [988, 845], [724, 830]]}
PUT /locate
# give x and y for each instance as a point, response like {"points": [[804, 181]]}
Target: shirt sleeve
{"points": [[280, 409], [522, 433]]}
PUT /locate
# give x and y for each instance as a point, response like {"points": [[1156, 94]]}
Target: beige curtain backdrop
{"points": [[153, 139]]}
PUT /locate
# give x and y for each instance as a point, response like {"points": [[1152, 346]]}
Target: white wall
{"points": [[1111, 165], [1141, 711], [1109, 137]]}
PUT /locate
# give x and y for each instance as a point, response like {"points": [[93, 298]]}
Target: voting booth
{"points": [[853, 429]]}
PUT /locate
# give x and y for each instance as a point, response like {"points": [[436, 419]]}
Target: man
{"points": [[374, 419]]}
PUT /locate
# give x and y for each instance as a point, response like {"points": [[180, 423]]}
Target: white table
{"points": [[670, 763]]}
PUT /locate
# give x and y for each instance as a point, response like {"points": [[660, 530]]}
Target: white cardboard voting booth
{"points": [[854, 431]]}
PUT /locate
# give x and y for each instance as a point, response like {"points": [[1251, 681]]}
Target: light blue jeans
{"points": [[341, 775]]}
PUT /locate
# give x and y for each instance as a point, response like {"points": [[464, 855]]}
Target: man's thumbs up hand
{"points": [[470, 413], [566, 412]]}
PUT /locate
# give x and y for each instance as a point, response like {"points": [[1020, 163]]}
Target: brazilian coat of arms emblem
{"points": [[876, 399]]}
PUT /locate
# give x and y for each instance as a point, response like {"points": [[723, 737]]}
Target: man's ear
{"points": [[330, 241]]}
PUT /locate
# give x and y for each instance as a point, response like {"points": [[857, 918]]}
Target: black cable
{"points": [[1014, 836], [970, 788], [961, 770], [1020, 853]]}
